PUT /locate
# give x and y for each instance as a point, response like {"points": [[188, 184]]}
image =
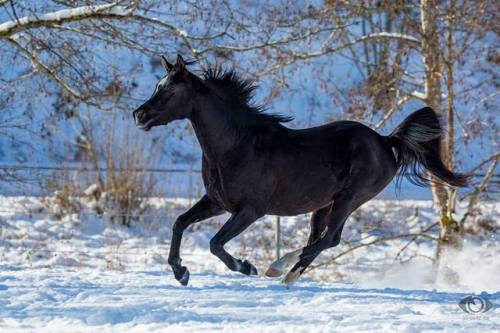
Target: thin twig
{"points": [[413, 239], [376, 241], [478, 190]]}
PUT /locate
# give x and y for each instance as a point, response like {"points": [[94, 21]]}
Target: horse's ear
{"points": [[181, 64], [168, 66]]}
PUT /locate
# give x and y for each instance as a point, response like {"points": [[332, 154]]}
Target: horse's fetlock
{"points": [[174, 261]]}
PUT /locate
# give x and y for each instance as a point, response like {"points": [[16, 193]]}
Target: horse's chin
{"points": [[145, 127], [148, 125], [153, 122]]}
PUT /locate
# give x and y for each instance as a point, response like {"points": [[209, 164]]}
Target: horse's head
{"points": [[172, 98]]}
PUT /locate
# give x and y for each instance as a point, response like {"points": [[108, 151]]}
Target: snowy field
{"points": [[85, 274], [89, 300]]}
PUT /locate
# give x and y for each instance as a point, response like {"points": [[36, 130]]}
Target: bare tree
{"points": [[405, 53]]}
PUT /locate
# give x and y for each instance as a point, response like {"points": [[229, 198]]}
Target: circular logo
{"points": [[475, 304]]}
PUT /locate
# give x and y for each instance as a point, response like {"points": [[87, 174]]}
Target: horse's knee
{"points": [[330, 240], [335, 240], [179, 225]]}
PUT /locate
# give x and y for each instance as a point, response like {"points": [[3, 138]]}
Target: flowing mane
{"points": [[240, 93]]}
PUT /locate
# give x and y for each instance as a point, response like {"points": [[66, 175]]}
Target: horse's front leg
{"points": [[238, 222], [203, 209]]}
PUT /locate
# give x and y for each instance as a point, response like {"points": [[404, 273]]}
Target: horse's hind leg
{"points": [[318, 223], [319, 220], [371, 170], [203, 209], [302, 264], [342, 207]]}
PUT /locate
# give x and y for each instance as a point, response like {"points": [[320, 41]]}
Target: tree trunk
{"points": [[450, 237]]}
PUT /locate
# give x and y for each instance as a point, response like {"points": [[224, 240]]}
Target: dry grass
{"points": [[111, 180], [59, 199]]}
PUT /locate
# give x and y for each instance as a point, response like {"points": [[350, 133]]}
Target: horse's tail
{"points": [[417, 144]]}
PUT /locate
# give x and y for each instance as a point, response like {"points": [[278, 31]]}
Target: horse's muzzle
{"points": [[141, 119], [139, 116]]}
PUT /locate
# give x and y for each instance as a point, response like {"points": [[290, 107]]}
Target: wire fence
{"points": [[28, 180], [100, 169], [174, 182], [83, 169]]}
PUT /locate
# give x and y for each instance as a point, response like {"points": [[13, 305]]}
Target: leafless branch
{"points": [[294, 57], [474, 197], [268, 44], [494, 157], [399, 104], [414, 238], [375, 241], [9, 28], [51, 73]]}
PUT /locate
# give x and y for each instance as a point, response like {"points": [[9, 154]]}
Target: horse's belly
{"points": [[293, 210], [300, 198]]}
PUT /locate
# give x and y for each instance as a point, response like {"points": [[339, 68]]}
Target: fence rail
{"points": [[103, 169], [155, 170], [21, 179]]}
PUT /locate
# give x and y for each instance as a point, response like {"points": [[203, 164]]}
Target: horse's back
{"points": [[310, 166], [339, 138], [333, 128]]}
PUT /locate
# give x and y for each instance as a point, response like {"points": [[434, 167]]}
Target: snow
{"points": [[64, 14], [85, 274], [83, 300], [393, 35], [91, 190]]}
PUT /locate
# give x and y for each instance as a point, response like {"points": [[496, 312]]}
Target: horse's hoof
{"points": [[291, 277], [253, 270], [182, 275], [248, 268], [273, 272], [279, 267]]}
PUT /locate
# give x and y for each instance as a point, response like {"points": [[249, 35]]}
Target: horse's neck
{"points": [[214, 131]]}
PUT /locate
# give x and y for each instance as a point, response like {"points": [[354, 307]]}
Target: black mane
{"points": [[240, 93]]}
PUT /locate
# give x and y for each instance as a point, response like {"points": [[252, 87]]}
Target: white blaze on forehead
{"points": [[161, 83]]}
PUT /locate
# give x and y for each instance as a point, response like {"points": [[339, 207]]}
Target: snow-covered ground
{"points": [[85, 274], [89, 300]]}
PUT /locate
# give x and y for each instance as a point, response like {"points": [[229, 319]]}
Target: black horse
{"points": [[253, 165]]}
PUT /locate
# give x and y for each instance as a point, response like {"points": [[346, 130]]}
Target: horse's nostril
{"points": [[140, 115]]}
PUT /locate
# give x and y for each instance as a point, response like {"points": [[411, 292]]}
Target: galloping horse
{"points": [[253, 165]]}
